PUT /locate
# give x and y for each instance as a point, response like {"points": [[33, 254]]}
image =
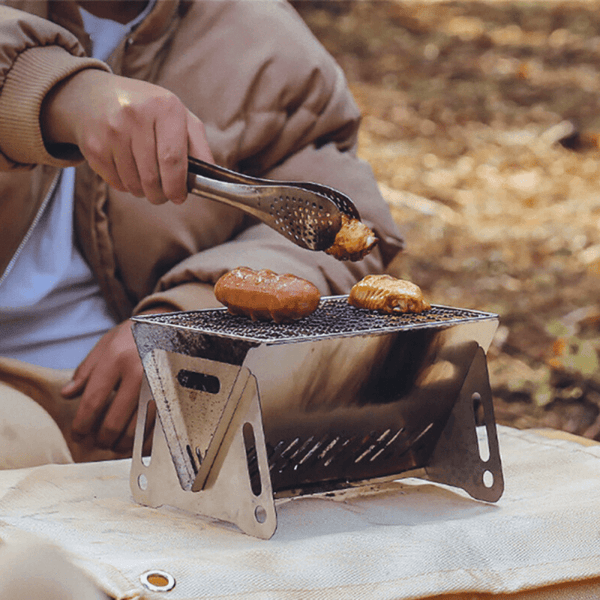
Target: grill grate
{"points": [[333, 317]]}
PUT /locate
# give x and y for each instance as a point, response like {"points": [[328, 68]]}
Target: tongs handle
{"points": [[211, 171], [205, 169], [220, 184], [308, 214]]}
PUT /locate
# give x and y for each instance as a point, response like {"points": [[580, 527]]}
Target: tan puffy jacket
{"points": [[273, 102]]}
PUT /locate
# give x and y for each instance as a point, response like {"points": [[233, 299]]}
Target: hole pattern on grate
{"points": [[333, 317]]}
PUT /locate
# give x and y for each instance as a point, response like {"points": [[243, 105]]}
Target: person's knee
{"points": [[28, 435]]}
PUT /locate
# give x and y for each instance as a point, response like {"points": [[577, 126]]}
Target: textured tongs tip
{"points": [[311, 215]]}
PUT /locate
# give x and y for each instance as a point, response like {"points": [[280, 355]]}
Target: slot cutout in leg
{"points": [[200, 382], [149, 423], [252, 459], [467, 454], [483, 442]]}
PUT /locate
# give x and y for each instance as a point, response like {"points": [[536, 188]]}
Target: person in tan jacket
{"points": [[242, 84]]}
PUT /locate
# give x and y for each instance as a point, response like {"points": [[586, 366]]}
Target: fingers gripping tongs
{"points": [[308, 214]]}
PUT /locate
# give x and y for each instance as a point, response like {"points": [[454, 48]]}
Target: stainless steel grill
{"points": [[252, 411]]}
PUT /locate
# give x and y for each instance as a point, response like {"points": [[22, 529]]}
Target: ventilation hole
{"points": [[488, 479], [329, 447], [365, 453], [478, 409], [369, 443], [274, 451], [302, 448], [150, 421], [341, 450], [376, 455], [392, 447], [198, 381], [290, 446], [310, 454], [260, 514], [252, 459], [483, 443]]}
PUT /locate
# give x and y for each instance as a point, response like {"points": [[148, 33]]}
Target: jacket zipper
{"points": [[35, 221]]}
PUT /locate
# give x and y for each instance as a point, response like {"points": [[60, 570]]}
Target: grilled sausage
{"points": [[264, 295], [388, 294]]}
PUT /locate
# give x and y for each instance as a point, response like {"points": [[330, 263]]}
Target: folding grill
{"points": [[250, 412]]}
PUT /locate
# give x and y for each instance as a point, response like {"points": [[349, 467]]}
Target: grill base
{"points": [[238, 489]]}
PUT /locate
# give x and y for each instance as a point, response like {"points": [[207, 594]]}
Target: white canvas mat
{"points": [[411, 539]]}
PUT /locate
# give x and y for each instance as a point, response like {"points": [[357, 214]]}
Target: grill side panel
{"points": [[353, 408]]}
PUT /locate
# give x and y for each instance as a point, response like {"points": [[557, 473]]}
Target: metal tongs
{"points": [[308, 214]]}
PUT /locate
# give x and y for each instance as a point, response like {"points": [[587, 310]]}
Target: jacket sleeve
{"points": [[293, 119], [35, 55]]}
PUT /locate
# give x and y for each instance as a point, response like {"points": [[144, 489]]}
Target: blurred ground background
{"points": [[481, 122]]}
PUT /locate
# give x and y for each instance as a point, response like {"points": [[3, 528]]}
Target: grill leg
{"points": [[467, 455], [238, 487]]}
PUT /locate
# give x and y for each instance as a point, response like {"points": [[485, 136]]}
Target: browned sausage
{"points": [[264, 295], [388, 294]]}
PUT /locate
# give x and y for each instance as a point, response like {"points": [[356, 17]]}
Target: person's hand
{"points": [[134, 134], [109, 381]]}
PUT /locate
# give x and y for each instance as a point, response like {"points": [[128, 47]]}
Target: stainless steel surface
{"points": [[466, 455], [308, 214], [229, 495], [342, 397]]}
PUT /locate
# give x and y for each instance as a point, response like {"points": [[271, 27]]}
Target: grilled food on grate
{"points": [[388, 294], [264, 295]]}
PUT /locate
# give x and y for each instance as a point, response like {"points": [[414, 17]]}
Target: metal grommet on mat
{"points": [[157, 581]]}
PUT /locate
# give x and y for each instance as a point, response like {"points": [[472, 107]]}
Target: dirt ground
{"points": [[482, 125]]}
